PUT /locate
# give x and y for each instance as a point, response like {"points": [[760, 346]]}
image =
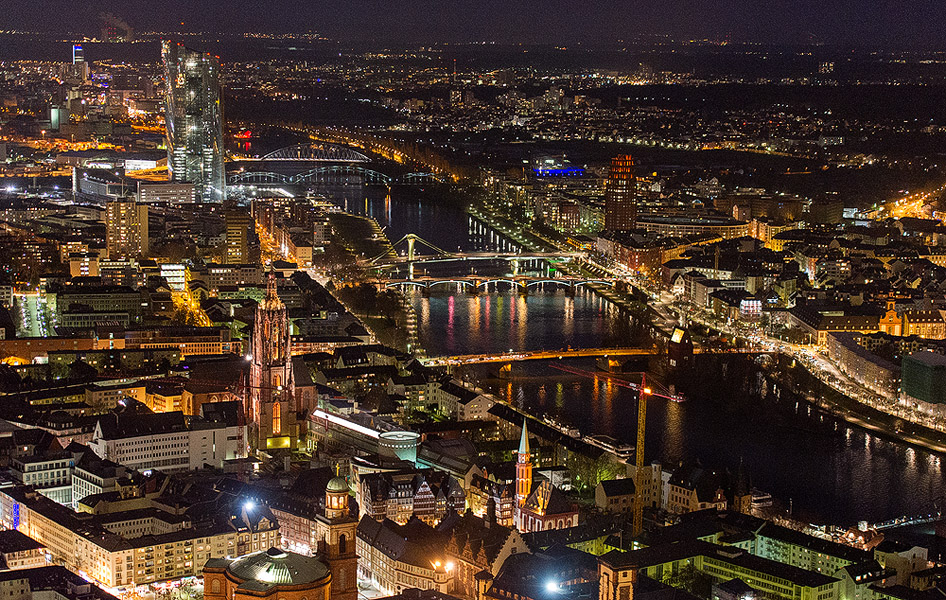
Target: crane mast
{"points": [[639, 456]]}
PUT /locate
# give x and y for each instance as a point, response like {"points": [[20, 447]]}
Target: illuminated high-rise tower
{"points": [[126, 228], [194, 116], [620, 205]]}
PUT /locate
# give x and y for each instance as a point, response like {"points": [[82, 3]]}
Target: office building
{"points": [[139, 439], [80, 68], [166, 193], [126, 228], [620, 207], [238, 230], [620, 571], [194, 117]]}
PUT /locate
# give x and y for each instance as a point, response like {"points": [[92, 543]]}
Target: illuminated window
{"points": [[277, 419]]}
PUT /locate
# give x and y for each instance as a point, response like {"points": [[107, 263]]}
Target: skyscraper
{"points": [[620, 207], [194, 116], [126, 228], [80, 68]]}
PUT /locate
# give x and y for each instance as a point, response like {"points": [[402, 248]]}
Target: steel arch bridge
{"points": [[326, 174], [261, 177], [336, 172], [420, 178], [317, 152], [483, 283]]}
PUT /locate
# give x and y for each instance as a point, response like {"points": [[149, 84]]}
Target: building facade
{"points": [[194, 117], [126, 228], [620, 208]]}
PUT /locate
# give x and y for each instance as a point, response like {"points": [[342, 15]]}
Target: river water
{"points": [[828, 471]]}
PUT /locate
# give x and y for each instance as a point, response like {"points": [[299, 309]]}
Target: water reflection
{"points": [[826, 468]]}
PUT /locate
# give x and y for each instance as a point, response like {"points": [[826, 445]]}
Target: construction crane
{"points": [[639, 456], [643, 391]]}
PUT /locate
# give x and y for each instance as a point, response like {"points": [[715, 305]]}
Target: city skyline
{"points": [[346, 315]]}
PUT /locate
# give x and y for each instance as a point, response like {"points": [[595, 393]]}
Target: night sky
{"points": [[877, 23]]}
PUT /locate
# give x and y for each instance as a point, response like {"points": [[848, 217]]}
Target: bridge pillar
{"points": [[609, 364], [410, 248], [474, 290], [505, 371], [410, 270], [570, 289], [515, 267], [425, 291], [522, 287]]}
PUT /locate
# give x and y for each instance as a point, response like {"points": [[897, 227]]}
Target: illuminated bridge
{"points": [[511, 357], [476, 283], [390, 261], [410, 241], [316, 152], [327, 174], [507, 357]]}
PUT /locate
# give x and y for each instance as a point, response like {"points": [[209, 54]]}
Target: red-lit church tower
{"points": [[523, 475], [271, 418]]}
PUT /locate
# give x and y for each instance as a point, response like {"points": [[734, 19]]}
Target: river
{"points": [[827, 470]]}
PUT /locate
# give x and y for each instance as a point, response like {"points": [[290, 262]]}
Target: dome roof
{"points": [[276, 567], [338, 484]]}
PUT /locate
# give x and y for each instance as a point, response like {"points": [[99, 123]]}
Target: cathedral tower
{"points": [[270, 393]]}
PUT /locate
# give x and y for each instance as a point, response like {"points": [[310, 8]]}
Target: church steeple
{"points": [[524, 439], [523, 468]]}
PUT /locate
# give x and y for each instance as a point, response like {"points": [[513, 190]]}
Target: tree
{"points": [[82, 371], [690, 579], [588, 472]]}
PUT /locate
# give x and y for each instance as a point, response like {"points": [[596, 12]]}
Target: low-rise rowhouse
{"points": [[399, 557], [615, 495], [460, 402], [691, 488], [619, 571]]}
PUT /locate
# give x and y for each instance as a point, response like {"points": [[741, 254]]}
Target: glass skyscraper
{"points": [[194, 115]]}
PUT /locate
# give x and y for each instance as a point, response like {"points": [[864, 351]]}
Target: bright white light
{"points": [[249, 505], [552, 586]]}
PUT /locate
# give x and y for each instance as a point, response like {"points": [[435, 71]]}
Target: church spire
{"points": [[524, 440], [523, 475], [272, 301]]}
